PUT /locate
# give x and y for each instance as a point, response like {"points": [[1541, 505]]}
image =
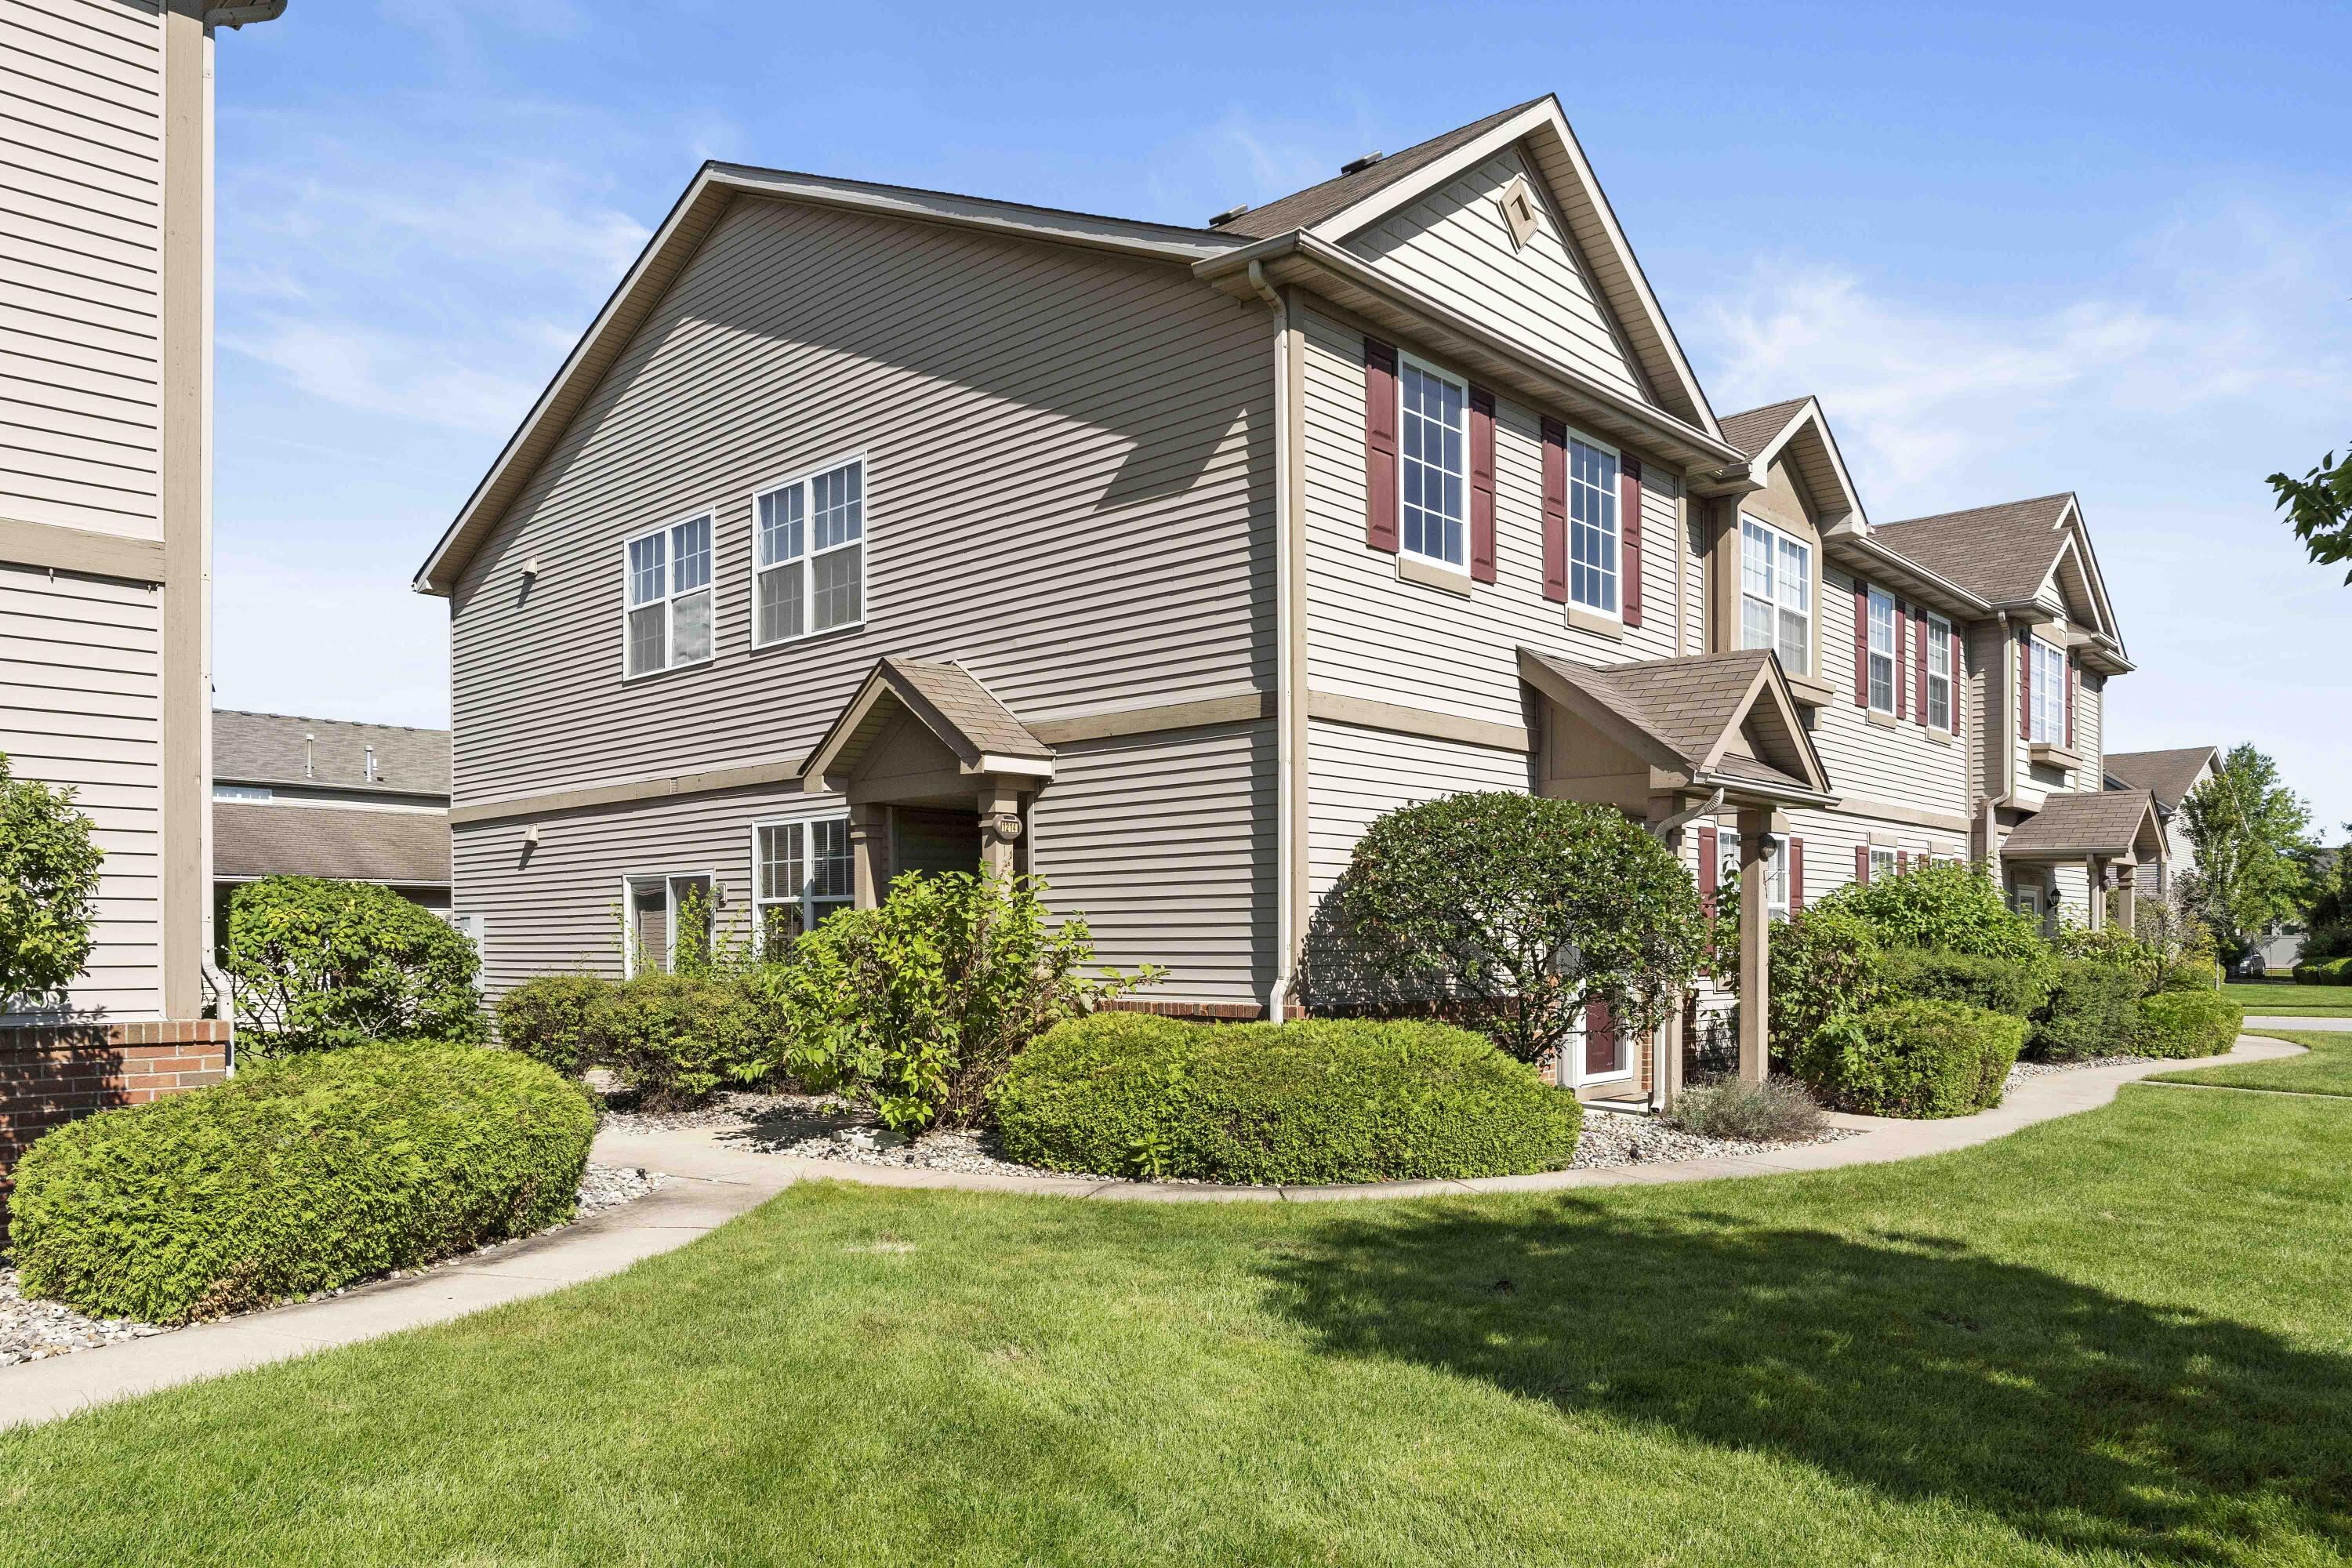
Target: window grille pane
{"points": [[1796, 639], [838, 502], [645, 569], [1755, 623], [1434, 474], [839, 600], [648, 638], [691, 639], [1593, 527], [1796, 577], [780, 528], [690, 543], [829, 875], [779, 861], [780, 601], [1755, 560]]}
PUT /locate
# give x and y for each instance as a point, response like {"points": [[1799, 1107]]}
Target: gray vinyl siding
{"points": [[1902, 765], [81, 706], [81, 148], [1831, 838], [1453, 245], [1165, 843], [1373, 635], [1068, 488], [1356, 775]]}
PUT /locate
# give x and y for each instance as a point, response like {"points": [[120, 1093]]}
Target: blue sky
{"points": [[2012, 251]]}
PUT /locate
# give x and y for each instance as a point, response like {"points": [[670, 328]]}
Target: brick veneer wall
{"points": [[51, 1074]]}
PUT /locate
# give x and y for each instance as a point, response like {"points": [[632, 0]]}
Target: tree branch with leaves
{"points": [[2318, 507], [2252, 837], [48, 885]]}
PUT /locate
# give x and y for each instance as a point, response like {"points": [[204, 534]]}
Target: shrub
{"points": [[320, 964], [2190, 974], [299, 1174], [562, 1020], [2188, 1023], [1824, 964], [1954, 908], [2111, 947], [1916, 1057], [919, 1004], [1509, 912], [2092, 1012], [1326, 1100], [48, 887], [2324, 972], [676, 1039], [1995, 984], [1773, 1111]]}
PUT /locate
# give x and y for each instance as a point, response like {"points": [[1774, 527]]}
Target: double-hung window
{"points": [[808, 554], [2047, 667], [669, 612], [1884, 665], [1882, 863], [1592, 526], [1939, 673], [800, 874], [1436, 470], [1776, 869], [1776, 594]]}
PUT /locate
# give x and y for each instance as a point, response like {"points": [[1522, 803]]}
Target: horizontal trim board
{"points": [[1892, 811], [62, 549], [1147, 720], [1365, 713]]}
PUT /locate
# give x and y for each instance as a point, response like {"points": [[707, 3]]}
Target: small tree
{"points": [[1511, 911], [1955, 908], [2250, 831], [2319, 506], [50, 871], [2329, 917], [319, 963]]}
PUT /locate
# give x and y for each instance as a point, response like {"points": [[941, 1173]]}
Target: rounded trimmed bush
{"points": [[1323, 1099], [562, 1020], [1997, 984], [2093, 1012], [1915, 1057], [2188, 1023], [319, 964], [296, 1175]]}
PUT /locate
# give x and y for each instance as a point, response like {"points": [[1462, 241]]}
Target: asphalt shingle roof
{"points": [[951, 689], [2000, 553], [2168, 775], [410, 848], [267, 748], [1749, 431], [2105, 821], [1305, 209], [1686, 704]]}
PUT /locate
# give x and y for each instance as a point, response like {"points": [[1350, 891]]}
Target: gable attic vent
{"points": [[1228, 216], [1366, 161]]}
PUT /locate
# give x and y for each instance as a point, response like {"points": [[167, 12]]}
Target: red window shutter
{"points": [[1861, 643], [2071, 679], [1956, 680], [1902, 862], [1380, 445], [1482, 485], [1919, 658], [1706, 865], [1599, 1037], [1796, 875], [1555, 510], [2025, 686], [1629, 529], [1862, 864]]}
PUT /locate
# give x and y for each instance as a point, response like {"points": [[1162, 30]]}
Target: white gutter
{"points": [[1285, 919]]}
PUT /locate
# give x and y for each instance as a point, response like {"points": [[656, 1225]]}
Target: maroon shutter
{"points": [[1902, 862], [1862, 864], [1861, 643], [1919, 657], [1599, 1037], [1555, 510], [1956, 680], [1629, 526], [2025, 686], [1380, 445], [1706, 866], [1796, 875], [1482, 485], [2070, 699]]}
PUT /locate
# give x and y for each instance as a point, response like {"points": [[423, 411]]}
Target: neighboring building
{"points": [[320, 797], [106, 244], [871, 529], [2168, 776]]}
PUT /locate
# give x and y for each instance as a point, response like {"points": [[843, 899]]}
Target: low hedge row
{"points": [[1318, 1100], [300, 1174], [674, 1038], [1920, 1058], [2186, 1023], [2324, 972], [2093, 1011]]}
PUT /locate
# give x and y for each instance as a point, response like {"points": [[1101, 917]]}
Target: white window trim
{"points": [[808, 554], [1778, 536], [1870, 594], [1568, 521], [807, 901], [1578, 1078], [1942, 638], [669, 880], [1405, 358], [670, 596], [2054, 704], [1882, 861], [1775, 865]]}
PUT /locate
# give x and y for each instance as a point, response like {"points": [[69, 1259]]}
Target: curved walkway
{"points": [[711, 1182]]}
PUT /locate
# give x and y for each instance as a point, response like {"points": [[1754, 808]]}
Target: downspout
{"points": [[1286, 920]]}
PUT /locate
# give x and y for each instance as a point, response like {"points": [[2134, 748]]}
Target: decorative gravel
{"points": [[34, 1329], [2024, 1070], [1612, 1138]]}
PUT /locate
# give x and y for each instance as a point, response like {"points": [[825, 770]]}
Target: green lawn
{"points": [[2125, 1337], [2326, 1070], [2284, 999]]}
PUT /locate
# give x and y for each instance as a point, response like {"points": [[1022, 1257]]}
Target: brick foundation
{"points": [[1206, 1012], [51, 1074]]}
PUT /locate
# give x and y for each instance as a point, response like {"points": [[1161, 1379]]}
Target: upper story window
{"points": [[2047, 667], [1939, 673], [1776, 594], [667, 620], [800, 874], [1883, 666], [1436, 467], [808, 554], [1592, 526], [1776, 869]]}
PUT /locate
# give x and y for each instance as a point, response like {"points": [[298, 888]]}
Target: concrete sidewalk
{"points": [[713, 1179], [2330, 1026]]}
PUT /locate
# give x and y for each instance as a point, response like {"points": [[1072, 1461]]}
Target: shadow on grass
{"points": [[1908, 1364]]}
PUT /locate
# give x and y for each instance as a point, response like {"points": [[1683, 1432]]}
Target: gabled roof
{"points": [[1753, 429], [272, 748], [1797, 433], [2078, 824], [2168, 775], [2007, 553], [401, 848], [1318, 204], [1690, 715], [946, 699]]}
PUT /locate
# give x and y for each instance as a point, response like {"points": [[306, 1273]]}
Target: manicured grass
{"points": [[2284, 999], [2326, 1070], [2120, 1338]]}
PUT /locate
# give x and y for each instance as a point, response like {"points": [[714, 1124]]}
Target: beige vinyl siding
{"points": [[1831, 837], [1453, 245], [2074, 902], [81, 705], [1059, 493], [1357, 775], [1901, 766], [81, 135], [1166, 844], [2090, 717], [1372, 635], [1991, 726]]}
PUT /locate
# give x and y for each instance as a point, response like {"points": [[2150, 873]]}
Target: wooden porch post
{"points": [[869, 853], [2128, 896], [1000, 827], [1754, 944], [2095, 875]]}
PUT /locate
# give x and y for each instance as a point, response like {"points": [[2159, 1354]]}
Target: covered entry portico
{"points": [[937, 772], [1673, 742], [2117, 827]]}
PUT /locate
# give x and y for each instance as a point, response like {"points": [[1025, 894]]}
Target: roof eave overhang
{"points": [[1861, 552], [1738, 790], [1853, 518], [1302, 260]]}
